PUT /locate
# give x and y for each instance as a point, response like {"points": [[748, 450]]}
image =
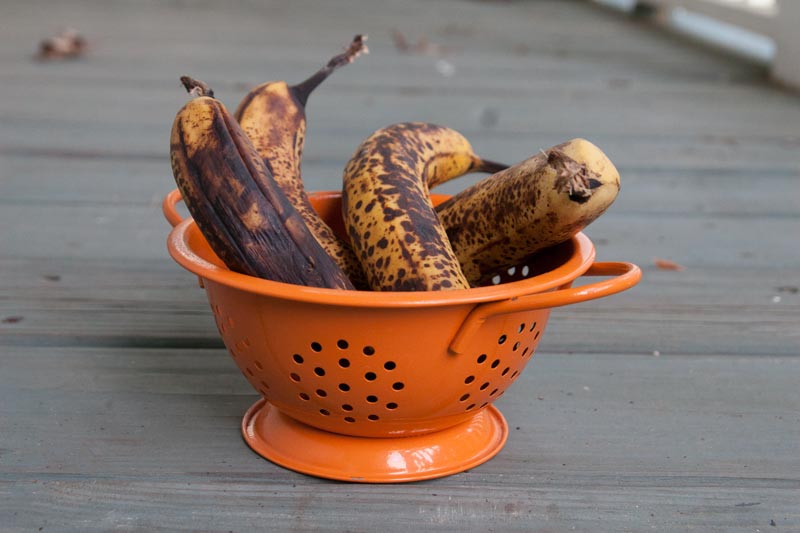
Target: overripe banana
{"points": [[236, 203], [530, 206], [273, 116], [387, 209]]}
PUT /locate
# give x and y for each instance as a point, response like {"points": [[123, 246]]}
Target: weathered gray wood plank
{"points": [[210, 505], [272, 29], [629, 75], [510, 125], [693, 441]]}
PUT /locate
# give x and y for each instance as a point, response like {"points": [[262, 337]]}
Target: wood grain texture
{"points": [[593, 436], [671, 407]]}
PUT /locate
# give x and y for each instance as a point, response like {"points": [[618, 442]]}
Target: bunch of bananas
{"points": [[239, 175]]}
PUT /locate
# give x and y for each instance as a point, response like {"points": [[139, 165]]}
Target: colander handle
{"points": [[172, 215], [626, 275], [169, 209]]}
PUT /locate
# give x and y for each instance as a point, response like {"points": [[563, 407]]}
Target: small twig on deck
{"points": [[68, 44], [422, 47]]}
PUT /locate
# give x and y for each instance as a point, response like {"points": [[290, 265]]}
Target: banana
{"points": [[540, 202], [273, 116], [387, 209], [236, 203]]}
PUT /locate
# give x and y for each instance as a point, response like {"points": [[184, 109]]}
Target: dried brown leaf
{"points": [[68, 44], [666, 264], [422, 47]]}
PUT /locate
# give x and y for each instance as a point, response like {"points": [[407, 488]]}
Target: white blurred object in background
{"points": [[761, 30]]}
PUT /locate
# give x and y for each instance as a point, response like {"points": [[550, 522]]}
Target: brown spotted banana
{"points": [[238, 207], [387, 210], [273, 116], [540, 202]]}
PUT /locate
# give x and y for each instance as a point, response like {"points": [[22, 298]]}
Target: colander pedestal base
{"points": [[300, 447]]}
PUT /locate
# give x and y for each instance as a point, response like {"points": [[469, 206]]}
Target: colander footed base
{"points": [[302, 448]]}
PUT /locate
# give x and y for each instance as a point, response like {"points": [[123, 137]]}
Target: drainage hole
{"points": [[481, 358], [294, 377], [304, 396], [250, 371], [521, 328], [370, 376], [398, 386], [319, 371], [372, 399], [368, 350], [485, 386], [470, 407], [533, 327], [516, 347], [317, 347], [391, 405], [469, 379], [495, 363], [525, 351], [515, 374], [344, 387], [347, 407], [493, 392], [537, 335], [342, 344], [502, 339], [321, 393], [259, 365], [389, 365], [373, 417], [265, 384], [344, 363], [298, 358], [505, 371], [349, 419], [324, 412], [464, 398]]}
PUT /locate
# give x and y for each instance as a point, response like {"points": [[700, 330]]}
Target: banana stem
{"points": [[302, 90], [490, 167], [196, 87]]}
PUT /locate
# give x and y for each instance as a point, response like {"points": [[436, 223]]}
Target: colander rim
{"points": [[180, 250]]}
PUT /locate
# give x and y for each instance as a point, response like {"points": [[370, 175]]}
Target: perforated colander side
{"points": [[354, 382]]}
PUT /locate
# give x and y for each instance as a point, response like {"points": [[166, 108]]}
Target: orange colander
{"points": [[382, 386]]}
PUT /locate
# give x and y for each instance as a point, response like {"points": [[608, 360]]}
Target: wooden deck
{"points": [[672, 407]]}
